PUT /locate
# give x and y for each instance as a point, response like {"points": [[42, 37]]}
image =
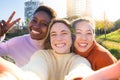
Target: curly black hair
{"points": [[46, 9]]}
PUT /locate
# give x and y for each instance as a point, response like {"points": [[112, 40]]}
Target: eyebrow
{"points": [[65, 31], [52, 32], [61, 31], [81, 30]]}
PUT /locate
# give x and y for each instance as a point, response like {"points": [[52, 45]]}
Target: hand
{"points": [[8, 70], [5, 26]]}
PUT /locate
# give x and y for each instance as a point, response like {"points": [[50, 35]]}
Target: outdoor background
{"points": [[105, 12]]}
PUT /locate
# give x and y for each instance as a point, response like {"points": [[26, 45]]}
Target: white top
{"points": [[48, 65]]}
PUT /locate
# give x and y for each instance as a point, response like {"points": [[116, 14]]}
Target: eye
{"points": [[89, 33], [64, 33], [77, 32], [52, 34], [33, 20], [44, 24]]}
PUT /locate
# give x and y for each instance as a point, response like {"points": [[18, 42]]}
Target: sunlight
{"points": [[110, 7]]}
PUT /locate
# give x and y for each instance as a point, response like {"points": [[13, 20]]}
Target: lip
{"points": [[82, 45], [60, 45], [35, 32]]}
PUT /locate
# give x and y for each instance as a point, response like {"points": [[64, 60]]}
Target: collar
{"points": [[37, 43], [87, 53]]}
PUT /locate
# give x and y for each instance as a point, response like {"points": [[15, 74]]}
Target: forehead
{"points": [[59, 27], [83, 25], [41, 15]]}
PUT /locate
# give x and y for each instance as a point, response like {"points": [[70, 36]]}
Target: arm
{"points": [[107, 73], [80, 68], [36, 70], [111, 72], [10, 71]]}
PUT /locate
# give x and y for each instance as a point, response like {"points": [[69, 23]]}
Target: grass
{"points": [[112, 42]]}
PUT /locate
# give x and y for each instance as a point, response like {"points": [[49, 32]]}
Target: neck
{"points": [[86, 53], [39, 43]]}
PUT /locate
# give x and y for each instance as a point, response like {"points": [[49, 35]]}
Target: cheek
{"points": [[75, 44], [44, 30], [29, 26], [77, 38], [90, 38], [69, 41], [52, 42], [76, 41], [90, 41]]}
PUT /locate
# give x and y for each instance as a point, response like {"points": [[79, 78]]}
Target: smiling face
{"points": [[60, 38], [39, 25], [84, 36]]}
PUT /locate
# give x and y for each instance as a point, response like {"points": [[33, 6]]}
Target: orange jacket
{"points": [[98, 56]]}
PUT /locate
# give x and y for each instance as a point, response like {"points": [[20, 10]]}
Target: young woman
{"points": [[86, 45], [22, 48]]}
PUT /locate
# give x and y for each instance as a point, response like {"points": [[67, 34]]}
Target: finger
{"points": [[0, 23], [3, 23], [11, 16], [14, 22], [3, 28]]}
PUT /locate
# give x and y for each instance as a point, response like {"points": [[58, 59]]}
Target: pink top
{"points": [[20, 48]]}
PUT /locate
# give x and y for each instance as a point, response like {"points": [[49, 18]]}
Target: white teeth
{"points": [[35, 32], [83, 44], [60, 45]]}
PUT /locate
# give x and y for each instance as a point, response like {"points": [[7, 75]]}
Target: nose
{"points": [[37, 25], [59, 37], [83, 37]]}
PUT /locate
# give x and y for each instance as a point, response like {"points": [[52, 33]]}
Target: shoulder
{"points": [[100, 48], [102, 54], [80, 60], [24, 36], [19, 37], [100, 51], [41, 53]]}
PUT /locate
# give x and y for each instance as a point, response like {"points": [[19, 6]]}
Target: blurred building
{"points": [[78, 8], [30, 7]]}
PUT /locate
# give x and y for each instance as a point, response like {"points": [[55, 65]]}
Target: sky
{"points": [[111, 8], [98, 8], [8, 6]]}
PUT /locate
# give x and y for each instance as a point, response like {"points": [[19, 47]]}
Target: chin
{"points": [[36, 38], [63, 52], [81, 50], [60, 52]]}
